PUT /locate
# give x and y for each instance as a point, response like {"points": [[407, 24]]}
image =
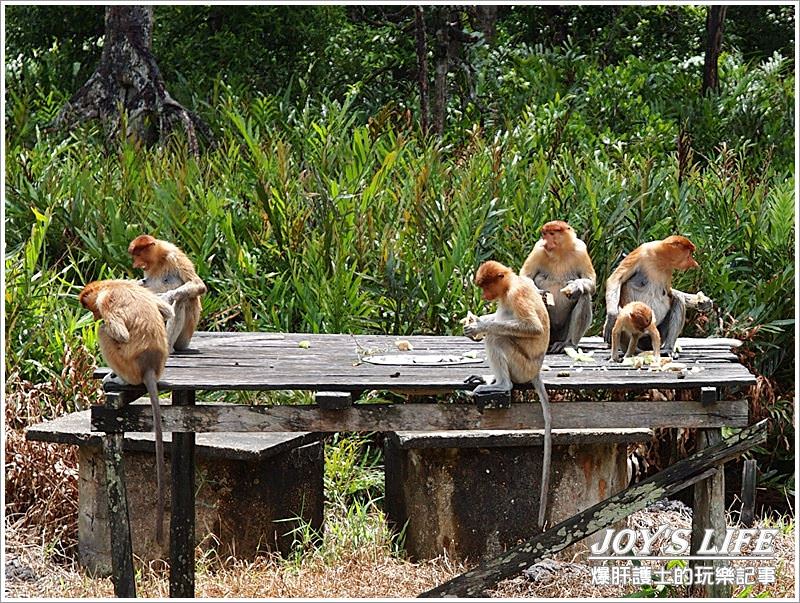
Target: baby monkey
{"points": [[635, 320], [133, 341]]}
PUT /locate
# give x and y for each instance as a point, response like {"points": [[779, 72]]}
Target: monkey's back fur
{"points": [[129, 303]]}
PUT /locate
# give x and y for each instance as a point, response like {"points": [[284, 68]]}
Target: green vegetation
{"points": [[323, 208]]}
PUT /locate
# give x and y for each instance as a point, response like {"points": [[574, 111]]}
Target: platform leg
{"points": [[708, 508], [121, 547], [181, 529]]}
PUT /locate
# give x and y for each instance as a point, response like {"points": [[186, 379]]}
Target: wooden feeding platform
{"points": [[335, 365]]}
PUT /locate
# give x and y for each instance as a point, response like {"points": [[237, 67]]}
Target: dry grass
{"points": [[363, 573], [570, 582]]}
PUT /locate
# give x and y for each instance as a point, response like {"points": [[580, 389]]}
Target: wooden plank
{"points": [[405, 379], [260, 361], [708, 512], [672, 479], [748, 493], [333, 400], [414, 440], [75, 429], [181, 529], [426, 417], [253, 338], [119, 525]]}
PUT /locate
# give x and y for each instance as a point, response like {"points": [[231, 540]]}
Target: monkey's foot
{"points": [[115, 379], [474, 380], [184, 352], [490, 396], [557, 347]]}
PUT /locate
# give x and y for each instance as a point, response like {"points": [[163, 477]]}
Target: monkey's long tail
{"points": [[548, 446], [152, 390]]}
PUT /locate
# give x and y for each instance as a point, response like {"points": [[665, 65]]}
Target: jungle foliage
{"points": [[322, 207]]}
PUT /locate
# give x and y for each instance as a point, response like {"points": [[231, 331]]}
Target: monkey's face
{"points": [[144, 257], [687, 261], [682, 258], [494, 286], [552, 239], [141, 259], [494, 279], [141, 250]]}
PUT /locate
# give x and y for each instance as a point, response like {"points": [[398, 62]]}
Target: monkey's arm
{"points": [[585, 283], [188, 290], [697, 301], [167, 313], [115, 328], [581, 286], [476, 328], [530, 267], [524, 322], [623, 273]]}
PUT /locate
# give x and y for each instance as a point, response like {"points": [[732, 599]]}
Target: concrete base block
{"points": [[252, 491], [473, 495]]}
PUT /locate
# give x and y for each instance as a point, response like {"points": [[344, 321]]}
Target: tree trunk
{"points": [[448, 43], [422, 68], [126, 89], [486, 18], [714, 21]]}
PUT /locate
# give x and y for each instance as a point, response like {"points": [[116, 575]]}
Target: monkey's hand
{"points": [[611, 320], [170, 296], [570, 289], [703, 302], [474, 330]]}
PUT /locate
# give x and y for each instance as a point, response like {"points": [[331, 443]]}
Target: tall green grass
{"points": [[320, 217]]}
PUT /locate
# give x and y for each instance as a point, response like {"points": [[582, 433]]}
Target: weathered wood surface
{"points": [[271, 361], [181, 527], [75, 429], [121, 546], [424, 417], [415, 440], [708, 512], [674, 478], [748, 492]]}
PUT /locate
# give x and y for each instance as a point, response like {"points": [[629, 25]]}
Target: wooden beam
{"points": [[181, 528], [122, 574], [748, 492], [674, 478], [424, 417], [708, 513], [333, 400]]}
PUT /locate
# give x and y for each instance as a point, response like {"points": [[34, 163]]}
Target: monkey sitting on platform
{"points": [[169, 273], [515, 338], [133, 341]]}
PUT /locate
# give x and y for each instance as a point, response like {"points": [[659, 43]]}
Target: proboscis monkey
{"points": [[645, 275], [133, 341], [635, 319], [516, 339], [560, 264], [169, 273]]}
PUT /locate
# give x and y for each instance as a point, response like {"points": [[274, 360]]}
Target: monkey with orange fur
{"points": [[560, 264], [516, 339], [635, 319], [171, 274], [646, 275], [133, 341]]}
